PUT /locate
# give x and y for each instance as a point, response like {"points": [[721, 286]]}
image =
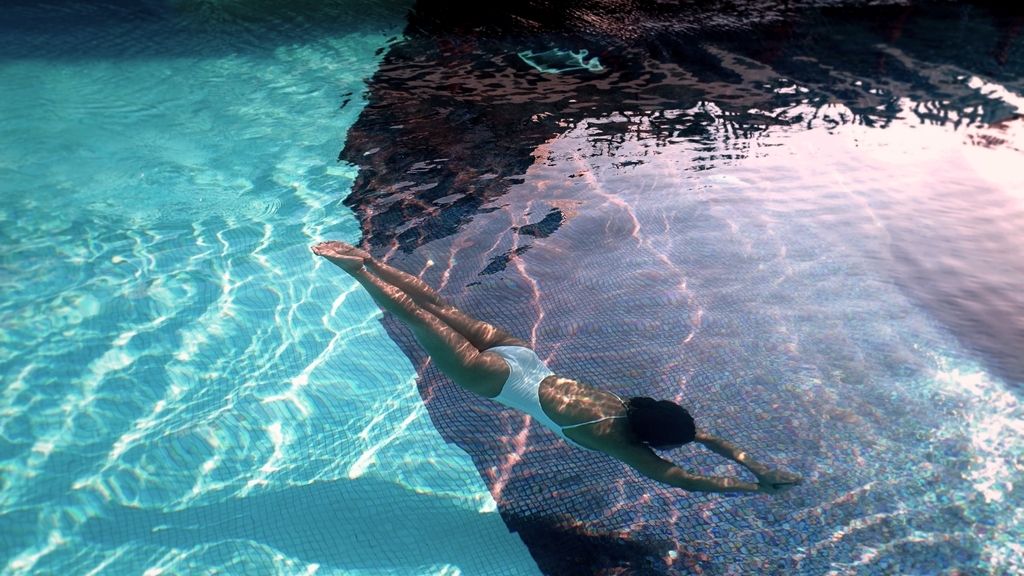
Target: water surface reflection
{"points": [[794, 219], [456, 117]]}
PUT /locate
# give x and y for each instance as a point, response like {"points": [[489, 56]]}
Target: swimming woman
{"points": [[490, 362]]}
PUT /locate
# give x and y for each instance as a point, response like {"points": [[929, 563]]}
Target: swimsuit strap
{"points": [[592, 421], [601, 419]]}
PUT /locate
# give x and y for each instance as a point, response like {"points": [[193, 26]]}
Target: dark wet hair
{"points": [[660, 423]]}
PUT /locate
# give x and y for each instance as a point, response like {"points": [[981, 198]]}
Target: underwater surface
{"points": [[801, 220]]}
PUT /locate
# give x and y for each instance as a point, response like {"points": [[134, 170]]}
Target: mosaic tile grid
{"points": [[817, 371], [715, 246]]}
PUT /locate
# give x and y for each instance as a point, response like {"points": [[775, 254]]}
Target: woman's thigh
{"points": [[481, 334]]}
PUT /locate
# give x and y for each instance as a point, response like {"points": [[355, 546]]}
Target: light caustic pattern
{"points": [[944, 481], [773, 279], [186, 388]]}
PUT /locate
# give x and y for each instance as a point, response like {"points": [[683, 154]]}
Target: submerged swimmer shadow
{"points": [[565, 550], [347, 524]]}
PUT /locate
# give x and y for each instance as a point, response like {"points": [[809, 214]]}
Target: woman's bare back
{"points": [[570, 402]]}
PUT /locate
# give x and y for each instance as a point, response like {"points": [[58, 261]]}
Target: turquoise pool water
{"points": [[184, 389], [823, 271]]}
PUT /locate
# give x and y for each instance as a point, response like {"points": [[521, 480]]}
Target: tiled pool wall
{"points": [[737, 221]]}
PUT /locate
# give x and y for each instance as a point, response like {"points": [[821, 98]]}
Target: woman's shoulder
{"points": [[568, 392]]}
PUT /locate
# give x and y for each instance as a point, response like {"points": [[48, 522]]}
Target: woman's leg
{"points": [[479, 333], [454, 355], [482, 334]]}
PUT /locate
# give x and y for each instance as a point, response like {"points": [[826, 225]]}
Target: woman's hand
{"points": [[776, 481]]}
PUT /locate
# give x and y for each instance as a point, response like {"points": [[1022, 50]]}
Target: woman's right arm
{"points": [[732, 452], [646, 462], [771, 480]]}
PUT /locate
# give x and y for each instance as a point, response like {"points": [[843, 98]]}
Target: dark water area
{"points": [[802, 220], [455, 110]]}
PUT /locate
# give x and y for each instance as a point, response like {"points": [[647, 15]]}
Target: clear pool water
{"points": [[806, 226], [184, 391]]}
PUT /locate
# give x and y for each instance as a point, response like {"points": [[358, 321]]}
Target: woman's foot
{"points": [[343, 247], [344, 256]]}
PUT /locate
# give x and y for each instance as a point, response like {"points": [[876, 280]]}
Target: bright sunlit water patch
{"points": [[182, 383]]}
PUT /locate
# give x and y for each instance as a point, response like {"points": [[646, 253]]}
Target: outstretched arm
{"points": [[646, 462], [772, 479], [731, 451]]}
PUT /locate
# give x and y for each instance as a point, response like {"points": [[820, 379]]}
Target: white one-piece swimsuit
{"points": [[522, 389]]}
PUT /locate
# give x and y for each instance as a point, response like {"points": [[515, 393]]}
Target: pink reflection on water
{"points": [[940, 210]]}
